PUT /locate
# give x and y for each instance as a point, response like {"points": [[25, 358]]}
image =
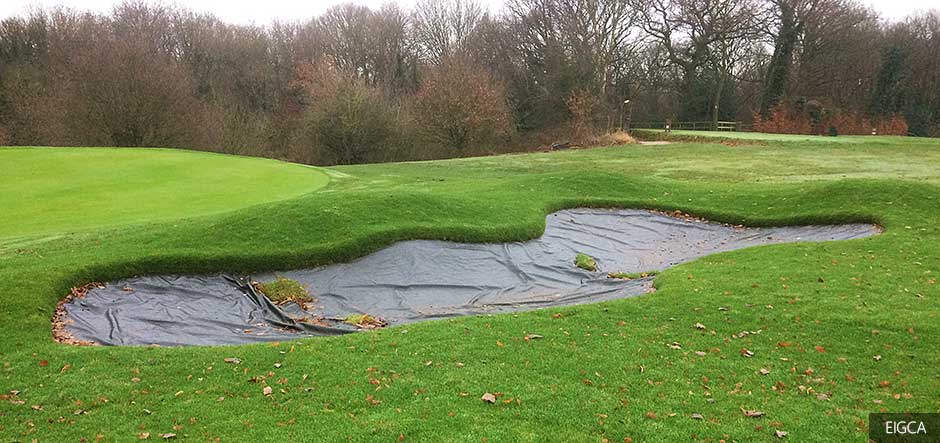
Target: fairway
{"points": [[45, 191], [850, 139], [814, 336]]}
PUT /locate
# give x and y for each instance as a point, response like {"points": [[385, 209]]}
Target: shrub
{"points": [[616, 138], [582, 107], [461, 106], [351, 121], [813, 118]]}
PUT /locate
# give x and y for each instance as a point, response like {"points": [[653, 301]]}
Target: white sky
{"points": [[264, 11]]}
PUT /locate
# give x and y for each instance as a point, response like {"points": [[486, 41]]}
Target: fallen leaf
{"points": [[877, 358], [533, 337], [701, 353], [488, 398], [697, 416], [267, 390], [232, 360], [143, 435], [675, 345], [698, 326], [749, 413], [764, 371], [781, 434], [747, 353], [168, 436]]}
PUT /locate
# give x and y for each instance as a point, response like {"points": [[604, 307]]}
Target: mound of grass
{"points": [[283, 290], [585, 262], [833, 330]]}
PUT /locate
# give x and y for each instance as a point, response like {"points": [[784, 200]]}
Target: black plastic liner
{"points": [[423, 279]]}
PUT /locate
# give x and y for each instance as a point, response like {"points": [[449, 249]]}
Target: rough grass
{"points": [[817, 314]]}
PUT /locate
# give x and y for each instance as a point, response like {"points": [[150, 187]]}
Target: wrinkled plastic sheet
{"points": [[422, 280]]}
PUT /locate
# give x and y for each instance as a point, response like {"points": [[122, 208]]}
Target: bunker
{"points": [[421, 280]]}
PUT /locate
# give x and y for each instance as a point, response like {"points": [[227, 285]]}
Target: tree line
{"points": [[449, 78]]}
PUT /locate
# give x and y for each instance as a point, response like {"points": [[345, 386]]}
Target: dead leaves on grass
{"points": [[752, 413], [60, 320]]}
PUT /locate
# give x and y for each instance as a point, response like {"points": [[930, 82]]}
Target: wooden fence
{"points": [[692, 126]]}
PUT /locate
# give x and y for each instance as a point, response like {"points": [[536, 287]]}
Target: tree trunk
{"points": [[716, 100], [778, 72]]}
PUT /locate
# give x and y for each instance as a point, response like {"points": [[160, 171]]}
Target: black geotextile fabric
{"points": [[423, 279]]}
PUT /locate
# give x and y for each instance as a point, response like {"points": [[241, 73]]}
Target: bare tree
{"points": [[462, 107], [703, 35], [442, 27], [836, 58]]}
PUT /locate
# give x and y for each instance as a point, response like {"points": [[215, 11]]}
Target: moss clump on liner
{"points": [[585, 262], [631, 275], [283, 290]]}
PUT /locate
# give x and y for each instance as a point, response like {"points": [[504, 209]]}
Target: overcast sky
{"points": [[264, 11]]}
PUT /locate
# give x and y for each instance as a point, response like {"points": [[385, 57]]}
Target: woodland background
{"points": [[448, 79]]}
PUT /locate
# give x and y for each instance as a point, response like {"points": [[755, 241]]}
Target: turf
{"points": [[48, 191], [283, 289], [585, 262], [840, 328], [850, 139]]}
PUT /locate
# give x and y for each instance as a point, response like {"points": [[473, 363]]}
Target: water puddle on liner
{"points": [[421, 280]]}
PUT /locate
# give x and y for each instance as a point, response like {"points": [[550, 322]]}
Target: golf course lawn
{"points": [[835, 330], [773, 137], [57, 190]]}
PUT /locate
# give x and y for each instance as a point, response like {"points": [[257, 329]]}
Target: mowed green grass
{"points": [[779, 137], [47, 191], [840, 329]]}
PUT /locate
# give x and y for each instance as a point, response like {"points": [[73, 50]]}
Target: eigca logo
{"points": [[904, 428]]}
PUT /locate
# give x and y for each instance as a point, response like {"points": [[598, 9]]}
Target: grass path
{"points": [[46, 191], [840, 329]]}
